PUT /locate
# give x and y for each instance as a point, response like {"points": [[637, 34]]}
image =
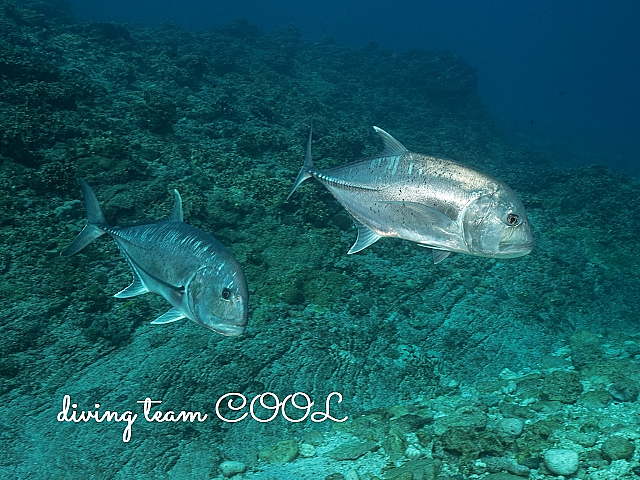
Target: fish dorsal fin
{"points": [[366, 237], [172, 315], [391, 145], [439, 255], [176, 213]]}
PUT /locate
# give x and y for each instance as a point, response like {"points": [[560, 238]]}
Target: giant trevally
{"points": [[192, 270], [436, 202]]}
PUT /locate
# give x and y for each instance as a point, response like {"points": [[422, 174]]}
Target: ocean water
{"points": [[561, 74], [374, 365]]}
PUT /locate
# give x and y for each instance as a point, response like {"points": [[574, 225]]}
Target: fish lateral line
{"points": [[340, 182]]}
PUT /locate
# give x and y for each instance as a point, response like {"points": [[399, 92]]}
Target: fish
{"points": [[438, 203], [193, 271]]}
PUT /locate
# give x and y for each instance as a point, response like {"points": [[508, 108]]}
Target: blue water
{"points": [[564, 74]]}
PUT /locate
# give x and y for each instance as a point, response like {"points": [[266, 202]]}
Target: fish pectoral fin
{"points": [[431, 216], [366, 237], [172, 315], [136, 288], [439, 255]]}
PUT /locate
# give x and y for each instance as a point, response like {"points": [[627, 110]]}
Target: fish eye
{"points": [[512, 219], [226, 293]]}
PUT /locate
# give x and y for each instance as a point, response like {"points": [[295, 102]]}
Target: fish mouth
{"points": [[228, 330], [515, 250]]}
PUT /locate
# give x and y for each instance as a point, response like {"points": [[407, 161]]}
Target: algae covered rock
{"points": [[423, 469], [335, 476], [501, 476], [585, 348], [394, 445], [502, 464], [618, 448], [562, 386], [625, 390], [353, 450], [595, 399], [466, 417], [470, 442], [282, 452]]}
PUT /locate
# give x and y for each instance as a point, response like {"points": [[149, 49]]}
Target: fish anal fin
{"points": [[136, 288], [172, 315], [366, 237], [439, 255]]}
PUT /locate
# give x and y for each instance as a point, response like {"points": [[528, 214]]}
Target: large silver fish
{"points": [[192, 270], [436, 202]]}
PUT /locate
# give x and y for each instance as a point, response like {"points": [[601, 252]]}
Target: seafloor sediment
{"points": [[417, 350]]}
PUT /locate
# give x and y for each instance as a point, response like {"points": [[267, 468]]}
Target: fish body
{"points": [[435, 202], [193, 271]]}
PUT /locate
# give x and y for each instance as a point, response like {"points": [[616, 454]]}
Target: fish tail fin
{"points": [[95, 226], [308, 163]]}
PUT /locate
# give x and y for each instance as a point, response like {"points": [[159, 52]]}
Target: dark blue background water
{"points": [[565, 73]]}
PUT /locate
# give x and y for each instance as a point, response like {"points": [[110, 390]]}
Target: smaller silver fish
{"points": [[435, 202], [194, 272]]}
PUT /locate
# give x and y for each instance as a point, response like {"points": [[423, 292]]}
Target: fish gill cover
{"points": [[223, 116]]}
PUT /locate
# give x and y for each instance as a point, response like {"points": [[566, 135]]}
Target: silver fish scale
{"points": [[442, 184], [174, 248]]}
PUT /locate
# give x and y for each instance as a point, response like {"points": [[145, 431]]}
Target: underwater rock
{"points": [[618, 448], [595, 399], [562, 386], [618, 469], [394, 446], [423, 469], [335, 476], [625, 390], [307, 450], [282, 452], [561, 461], [501, 476], [586, 440], [230, 468], [351, 451], [313, 437], [511, 427], [466, 416], [501, 464], [470, 442], [585, 348]]}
